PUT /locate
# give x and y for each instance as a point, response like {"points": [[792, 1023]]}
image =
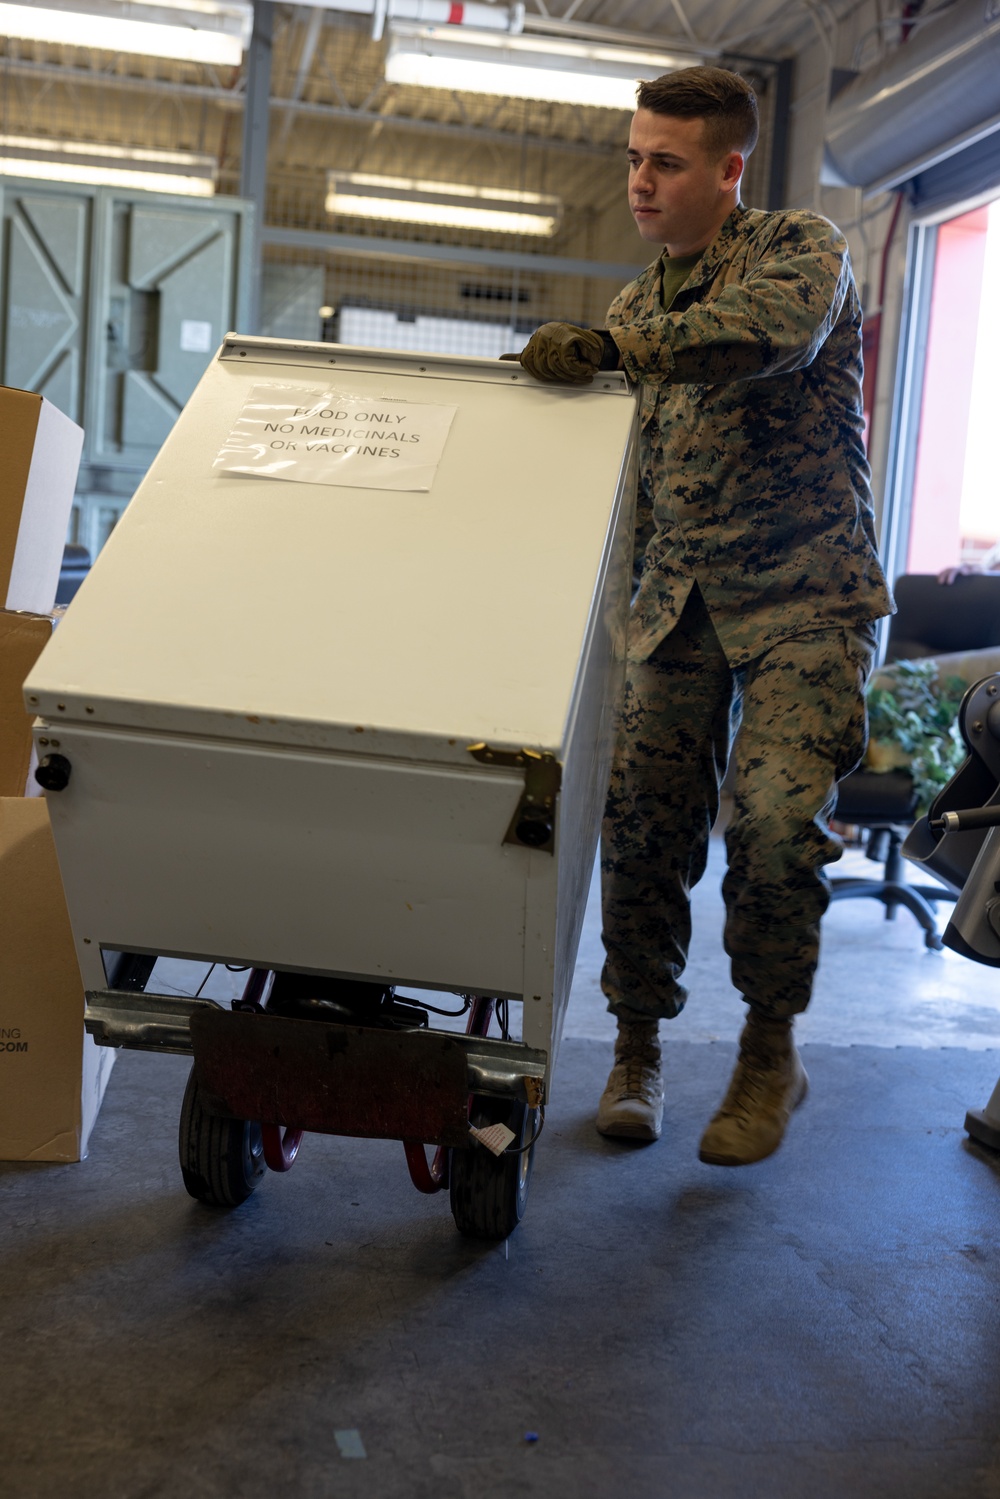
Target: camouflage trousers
{"points": [[801, 714]]}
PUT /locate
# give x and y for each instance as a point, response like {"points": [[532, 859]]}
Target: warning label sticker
{"points": [[336, 437]]}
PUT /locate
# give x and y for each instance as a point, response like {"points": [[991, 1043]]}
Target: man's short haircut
{"points": [[724, 100]]}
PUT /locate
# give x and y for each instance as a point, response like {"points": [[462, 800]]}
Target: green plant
{"points": [[918, 712]]}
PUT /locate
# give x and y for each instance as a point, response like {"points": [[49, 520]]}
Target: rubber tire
{"points": [[490, 1193], [222, 1159]]}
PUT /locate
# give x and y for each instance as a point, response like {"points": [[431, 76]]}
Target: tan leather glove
{"points": [[561, 351]]}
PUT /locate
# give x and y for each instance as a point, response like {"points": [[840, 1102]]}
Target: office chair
{"points": [[932, 619]]}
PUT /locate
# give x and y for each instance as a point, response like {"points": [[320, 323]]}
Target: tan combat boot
{"points": [[768, 1083], [631, 1106]]}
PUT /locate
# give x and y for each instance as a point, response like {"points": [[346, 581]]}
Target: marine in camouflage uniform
{"points": [[759, 587], [759, 582]]}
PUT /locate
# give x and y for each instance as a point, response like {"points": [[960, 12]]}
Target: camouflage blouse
{"points": [[753, 476]]}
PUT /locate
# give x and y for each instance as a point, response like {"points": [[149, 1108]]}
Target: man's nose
{"points": [[642, 178]]}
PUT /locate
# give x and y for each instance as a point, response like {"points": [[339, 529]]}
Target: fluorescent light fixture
{"points": [[107, 166], [522, 67], [410, 200], [206, 31]]}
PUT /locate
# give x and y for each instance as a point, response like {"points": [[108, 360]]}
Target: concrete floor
{"points": [[826, 1323]]}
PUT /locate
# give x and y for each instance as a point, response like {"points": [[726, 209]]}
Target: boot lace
{"points": [[758, 1072], [747, 1090], [637, 1071]]}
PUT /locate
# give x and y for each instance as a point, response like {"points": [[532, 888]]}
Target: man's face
{"points": [[679, 193]]}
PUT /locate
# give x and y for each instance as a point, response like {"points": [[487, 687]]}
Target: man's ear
{"points": [[732, 171]]}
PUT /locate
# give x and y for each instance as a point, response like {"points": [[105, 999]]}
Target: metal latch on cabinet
{"points": [[534, 822]]}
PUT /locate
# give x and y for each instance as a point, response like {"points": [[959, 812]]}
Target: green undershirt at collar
{"points": [[676, 270]]}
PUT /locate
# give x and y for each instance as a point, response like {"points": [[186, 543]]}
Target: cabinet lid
{"points": [[337, 616]]}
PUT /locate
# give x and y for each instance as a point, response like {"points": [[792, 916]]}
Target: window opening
{"points": [[955, 502]]}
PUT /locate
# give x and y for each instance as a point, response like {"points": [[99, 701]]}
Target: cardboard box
{"points": [[41, 458], [52, 1075], [22, 637]]}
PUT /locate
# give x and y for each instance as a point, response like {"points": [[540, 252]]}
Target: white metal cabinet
{"points": [[267, 690]]}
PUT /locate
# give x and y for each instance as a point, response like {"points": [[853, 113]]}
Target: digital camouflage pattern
{"points": [[803, 727], [759, 582], [754, 477]]}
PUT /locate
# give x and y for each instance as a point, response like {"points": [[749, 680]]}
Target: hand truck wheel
{"points": [[489, 1193], [222, 1159]]}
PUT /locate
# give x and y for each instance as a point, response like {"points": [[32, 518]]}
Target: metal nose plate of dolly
{"points": [[346, 1080], [327, 1077], [335, 1079]]}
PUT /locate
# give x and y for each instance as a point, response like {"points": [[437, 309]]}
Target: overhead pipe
{"points": [[511, 19], [431, 13], [928, 100]]}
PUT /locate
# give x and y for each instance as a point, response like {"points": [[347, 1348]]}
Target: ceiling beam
{"points": [[644, 41], [232, 99], [367, 246]]}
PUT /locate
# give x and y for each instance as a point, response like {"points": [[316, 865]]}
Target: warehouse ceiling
{"points": [[332, 108]]}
